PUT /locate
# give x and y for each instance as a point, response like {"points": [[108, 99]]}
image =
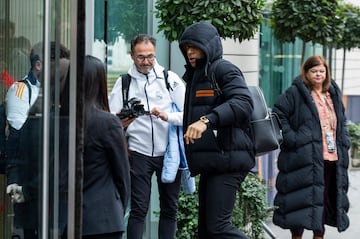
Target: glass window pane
{"points": [[22, 180], [22, 58], [123, 19]]}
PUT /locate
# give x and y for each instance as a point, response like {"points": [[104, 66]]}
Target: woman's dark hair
{"points": [[141, 38], [312, 62], [95, 84]]}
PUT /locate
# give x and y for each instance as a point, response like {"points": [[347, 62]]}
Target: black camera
{"points": [[134, 109]]}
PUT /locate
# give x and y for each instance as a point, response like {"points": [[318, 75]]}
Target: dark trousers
{"points": [[142, 169], [111, 235], [217, 195], [30, 234], [114, 235]]}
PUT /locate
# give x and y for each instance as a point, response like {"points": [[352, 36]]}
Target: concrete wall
{"points": [[352, 71], [352, 67], [246, 56]]}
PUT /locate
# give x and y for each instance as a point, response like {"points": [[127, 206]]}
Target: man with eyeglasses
{"points": [[147, 135]]}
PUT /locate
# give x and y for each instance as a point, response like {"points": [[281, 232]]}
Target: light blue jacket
{"points": [[175, 159], [175, 153]]}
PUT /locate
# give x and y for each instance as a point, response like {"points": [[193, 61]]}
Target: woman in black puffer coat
{"points": [[312, 183]]}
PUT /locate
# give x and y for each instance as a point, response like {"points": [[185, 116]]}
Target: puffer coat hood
{"points": [[204, 36]]}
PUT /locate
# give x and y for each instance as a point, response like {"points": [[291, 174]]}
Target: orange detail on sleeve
{"points": [[205, 93]]}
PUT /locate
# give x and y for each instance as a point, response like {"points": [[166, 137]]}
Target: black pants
{"points": [[217, 195], [30, 234], [114, 235], [111, 235], [142, 169]]}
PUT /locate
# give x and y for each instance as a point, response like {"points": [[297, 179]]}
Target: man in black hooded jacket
{"points": [[216, 120]]}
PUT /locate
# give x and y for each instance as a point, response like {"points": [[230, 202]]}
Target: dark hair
{"points": [[95, 84], [37, 52], [141, 38], [63, 51], [312, 62]]}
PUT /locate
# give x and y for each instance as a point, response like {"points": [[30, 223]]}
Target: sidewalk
{"points": [[352, 232]]}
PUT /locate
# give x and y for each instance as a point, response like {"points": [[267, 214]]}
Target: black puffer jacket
{"points": [[226, 147], [300, 182]]}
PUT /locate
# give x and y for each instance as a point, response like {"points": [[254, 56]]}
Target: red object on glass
{"points": [[7, 79]]}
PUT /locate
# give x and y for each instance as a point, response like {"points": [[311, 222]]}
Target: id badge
{"points": [[329, 135]]}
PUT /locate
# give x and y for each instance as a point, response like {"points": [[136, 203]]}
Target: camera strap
{"points": [[125, 78]]}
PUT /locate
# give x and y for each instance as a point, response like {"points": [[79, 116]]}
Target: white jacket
{"points": [[148, 135], [17, 102]]}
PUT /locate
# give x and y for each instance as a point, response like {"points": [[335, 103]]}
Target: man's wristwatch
{"points": [[205, 120]]}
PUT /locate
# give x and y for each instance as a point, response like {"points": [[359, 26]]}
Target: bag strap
{"points": [[126, 78], [261, 110], [29, 88], [211, 75], [166, 77]]}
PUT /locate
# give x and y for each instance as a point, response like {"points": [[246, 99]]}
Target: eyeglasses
{"points": [[150, 57]]}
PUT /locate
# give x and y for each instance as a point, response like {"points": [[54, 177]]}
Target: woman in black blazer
{"points": [[106, 184]]}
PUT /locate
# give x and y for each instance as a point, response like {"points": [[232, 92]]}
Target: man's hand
{"points": [[126, 122], [194, 131], [159, 113], [16, 193], [11, 188]]}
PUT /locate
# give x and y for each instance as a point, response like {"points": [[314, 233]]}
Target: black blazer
{"points": [[106, 185]]}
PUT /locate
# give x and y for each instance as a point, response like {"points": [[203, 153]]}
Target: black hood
{"points": [[204, 36]]}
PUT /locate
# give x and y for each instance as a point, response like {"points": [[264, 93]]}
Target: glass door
{"points": [[34, 90]]}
